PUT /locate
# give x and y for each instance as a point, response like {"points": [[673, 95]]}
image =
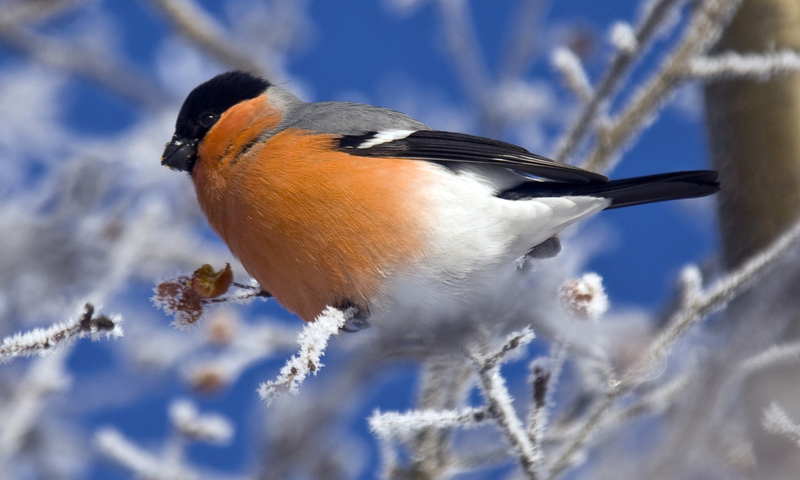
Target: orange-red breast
{"points": [[345, 204]]}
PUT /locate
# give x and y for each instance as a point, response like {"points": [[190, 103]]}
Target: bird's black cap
{"points": [[201, 110]]}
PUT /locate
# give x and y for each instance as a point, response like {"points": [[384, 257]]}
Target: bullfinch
{"points": [[350, 205]]}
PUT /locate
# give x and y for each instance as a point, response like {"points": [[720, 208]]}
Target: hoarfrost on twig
{"points": [[402, 425], [574, 75], [760, 66], [313, 340], [211, 428], [778, 422], [42, 341], [500, 403]]}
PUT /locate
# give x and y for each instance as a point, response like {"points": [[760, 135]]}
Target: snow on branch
{"points": [[778, 422], [210, 428], [657, 15], [41, 341], [704, 28], [499, 401], [697, 304], [313, 340], [759, 66], [544, 373], [574, 75], [623, 37], [404, 425], [112, 443], [584, 297]]}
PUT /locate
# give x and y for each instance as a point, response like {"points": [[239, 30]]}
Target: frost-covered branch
{"points": [[313, 340], [464, 50], [19, 414], [210, 428], [778, 422], [499, 401], [623, 60], [94, 66], [202, 29], [112, 443], [544, 374], [705, 27], [760, 66], [696, 304], [41, 341], [574, 75], [188, 423], [402, 425]]}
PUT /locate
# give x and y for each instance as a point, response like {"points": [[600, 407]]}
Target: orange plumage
{"points": [[314, 227]]}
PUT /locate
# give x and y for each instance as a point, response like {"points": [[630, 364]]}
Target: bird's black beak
{"points": [[180, 154]]}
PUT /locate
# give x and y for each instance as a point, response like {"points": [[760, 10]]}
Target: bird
{"points": [[356, 206]]}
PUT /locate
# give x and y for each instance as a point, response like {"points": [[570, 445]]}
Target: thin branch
{"points": [[761, 66], [313, 340], [574, 75], [402, 425], [778, 422], [199, 27], [92, 66], [705, 27], [522, 36], [543, 378], [41, 341], [620, 64], [462, 44], [499, 401], [697, 305]]}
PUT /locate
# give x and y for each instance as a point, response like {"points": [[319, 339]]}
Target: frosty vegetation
{"points": [[562, 389]]}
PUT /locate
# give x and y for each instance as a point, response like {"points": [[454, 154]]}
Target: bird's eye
{"points": [[208, 119]]}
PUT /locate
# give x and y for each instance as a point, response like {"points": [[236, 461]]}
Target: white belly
{"points": [[474, 240]]}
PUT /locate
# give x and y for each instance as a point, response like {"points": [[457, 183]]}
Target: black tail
{"points": [[626, 192]]}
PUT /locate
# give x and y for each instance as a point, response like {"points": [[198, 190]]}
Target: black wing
{"points": [[447, 147]]}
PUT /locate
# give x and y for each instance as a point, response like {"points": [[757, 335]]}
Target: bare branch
{"points": [[696, 306], [199, 27]]}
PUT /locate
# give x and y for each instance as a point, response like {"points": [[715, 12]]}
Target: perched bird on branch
{"points": [[351, 205]]}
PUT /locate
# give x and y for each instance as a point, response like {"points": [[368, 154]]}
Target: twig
{"points": [[543, 378], [620, 64], [697, 305], [499, 401], [574, 75], [312, 340], [522, 36], [402, 425], [199, 27], [777, 421], [761, 66], [465, 51], [91, 66], [704, 29], [43, 341]]}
